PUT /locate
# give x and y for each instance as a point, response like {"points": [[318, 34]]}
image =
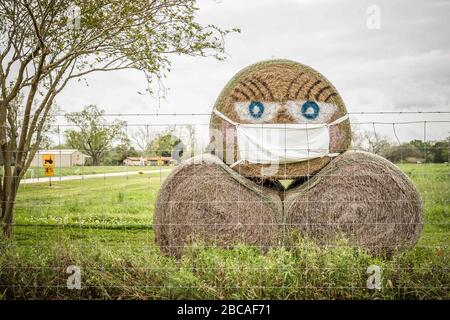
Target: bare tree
{"points": [[370, 141], [188, 135], [44, 44], [142, 138]]}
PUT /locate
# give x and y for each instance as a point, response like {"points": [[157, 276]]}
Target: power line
{"points": [[207, 124], [208, 114]]}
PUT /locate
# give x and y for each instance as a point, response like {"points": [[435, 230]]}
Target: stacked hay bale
{"points": [[277, 81], [204, 200], [361, 196], [358, 195]]}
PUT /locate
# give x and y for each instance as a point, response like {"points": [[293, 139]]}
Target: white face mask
{"points": [[282, 143]]}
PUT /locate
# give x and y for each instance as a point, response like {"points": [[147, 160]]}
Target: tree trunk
{"points": [[8, 208], [9, 191], [8, 224]]}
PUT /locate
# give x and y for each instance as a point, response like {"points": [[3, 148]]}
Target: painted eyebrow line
{"points": [[321, 91], [264, 84], [300, 89], [246, 86], [331, 95], [257, 88], [237, 90], [288, 92], [312, 87]]}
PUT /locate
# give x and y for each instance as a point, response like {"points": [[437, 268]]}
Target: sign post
{"points": [[159, 162], [48, 162]]}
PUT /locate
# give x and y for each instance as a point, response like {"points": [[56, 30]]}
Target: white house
{"points": [[63, 157], [151, 161], [135, 161]]}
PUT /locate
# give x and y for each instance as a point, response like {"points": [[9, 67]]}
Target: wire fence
{"points": [[115, 202], [424, 128]]}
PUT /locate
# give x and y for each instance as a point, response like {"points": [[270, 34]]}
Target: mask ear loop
{"points": [[339, 120], [224, 117], [335, 122]]}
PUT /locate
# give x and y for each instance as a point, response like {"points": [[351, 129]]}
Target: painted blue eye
{"points": [[310, 110], [256, 109]]}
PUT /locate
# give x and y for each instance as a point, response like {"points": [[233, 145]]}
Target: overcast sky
{"points": [[404, 65]]}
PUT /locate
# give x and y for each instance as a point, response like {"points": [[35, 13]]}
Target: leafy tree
{"points": [[119, 153], [167, 145], [424, 148], [441, 151], [45, 44], [436, 152], [15, 121], [93, 136], [404, 151]]}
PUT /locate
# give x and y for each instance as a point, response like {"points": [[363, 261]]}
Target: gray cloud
{"points": [[404, 65]]}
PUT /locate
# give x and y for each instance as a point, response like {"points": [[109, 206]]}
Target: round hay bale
{"points": [[277, 83], [204, 200], [361, 196]]}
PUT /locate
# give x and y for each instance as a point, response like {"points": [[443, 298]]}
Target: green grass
{"points": [[433, 183], [110, 202], [104, 226], [38, 172]]}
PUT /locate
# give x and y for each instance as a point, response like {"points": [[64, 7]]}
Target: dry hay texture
{"points": [[358, 195], [204, 200], [361, 196], [277, 81]]}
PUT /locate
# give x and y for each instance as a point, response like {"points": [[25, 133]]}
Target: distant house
{"points": [[135, 161], [414, 160], [153, 161], [63, 157]]}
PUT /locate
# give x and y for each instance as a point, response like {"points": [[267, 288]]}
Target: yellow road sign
{"points": [[48, 160], [160, 162], [49, 172]]}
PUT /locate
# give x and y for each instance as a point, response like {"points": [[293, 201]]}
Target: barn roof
{"points": [[159, 158], [134, 158], [59, 151]]}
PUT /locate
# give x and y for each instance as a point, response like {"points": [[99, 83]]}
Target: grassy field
{"points": [[38, 172], [104, 226]]}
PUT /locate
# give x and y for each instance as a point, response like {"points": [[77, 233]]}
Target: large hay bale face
{"points": [[360, 196], [204, 200], [278, 92]]}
